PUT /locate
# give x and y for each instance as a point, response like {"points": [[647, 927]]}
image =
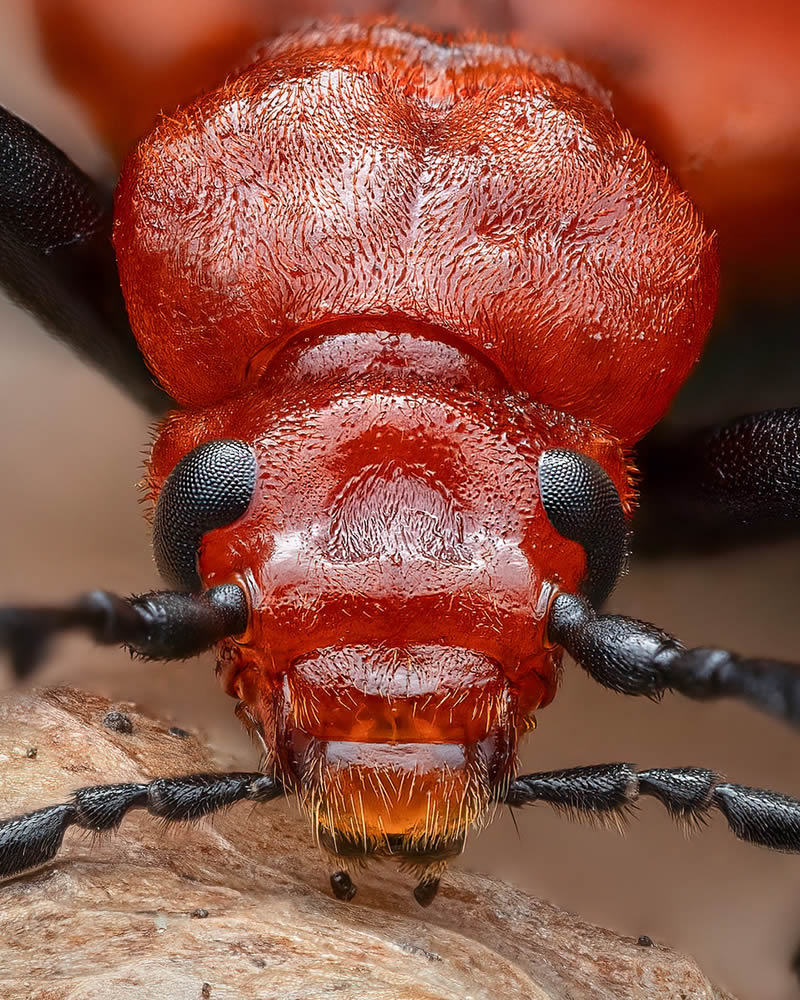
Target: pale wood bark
{"points": [[125, 916]]}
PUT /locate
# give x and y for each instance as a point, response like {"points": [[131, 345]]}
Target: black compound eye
{"points": [[210, 487], [583, 505]]}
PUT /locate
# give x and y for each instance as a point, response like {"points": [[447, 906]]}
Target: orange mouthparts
{"points": [[396, 751]]}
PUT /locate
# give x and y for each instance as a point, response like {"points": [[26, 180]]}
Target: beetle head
{"points": [[399, 563]]}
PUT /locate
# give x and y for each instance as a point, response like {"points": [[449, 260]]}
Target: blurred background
{"points": [[714, 88]]}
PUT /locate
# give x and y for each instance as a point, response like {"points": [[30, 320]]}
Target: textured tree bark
{"points": [[241, 907]]}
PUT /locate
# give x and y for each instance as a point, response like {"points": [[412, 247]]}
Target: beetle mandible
{"points": [[423, 297]]}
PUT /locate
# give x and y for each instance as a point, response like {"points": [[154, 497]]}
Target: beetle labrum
{"points": [[415, 301]]}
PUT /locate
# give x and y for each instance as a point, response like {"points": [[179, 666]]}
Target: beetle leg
{"points": [[724, 484], [637, 658], [163, 625], [56, 258], [31, 840], [688, 794]]}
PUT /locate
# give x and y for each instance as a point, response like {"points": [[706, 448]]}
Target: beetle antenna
{"points": [[637, 658], [161, 625]]}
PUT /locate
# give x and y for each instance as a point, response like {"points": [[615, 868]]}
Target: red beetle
{"points": [[416, 300]]}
